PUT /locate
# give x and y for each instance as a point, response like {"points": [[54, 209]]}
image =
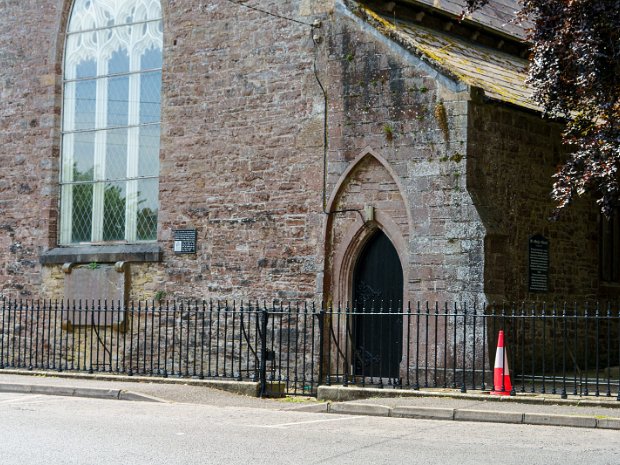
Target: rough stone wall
{"points": [[386, 102], [512, 157], [240, 146], [241, 149], [29, 110], [241, 132], [242, 157], [368, 184]]}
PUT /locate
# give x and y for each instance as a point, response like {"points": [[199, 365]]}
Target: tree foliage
{"points": [[575, 71]]}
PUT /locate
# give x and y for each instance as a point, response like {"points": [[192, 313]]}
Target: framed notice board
{"points": [[184, 241], [538, 264]]}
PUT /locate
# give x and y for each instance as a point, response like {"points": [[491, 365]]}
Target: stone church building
{"points": [[330, 150]]}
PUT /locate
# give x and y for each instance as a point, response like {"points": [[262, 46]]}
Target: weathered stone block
{"points": [[102, 292]]}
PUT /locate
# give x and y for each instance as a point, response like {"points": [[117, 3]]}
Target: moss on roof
{"points": [[502, 76]]}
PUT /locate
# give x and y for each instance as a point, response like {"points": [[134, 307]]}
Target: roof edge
{"points": [[386, 30], [389, 30], [469, 21]]}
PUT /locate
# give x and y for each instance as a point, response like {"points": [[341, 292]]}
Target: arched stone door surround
{"points": [[346, 239], [369, 181]]}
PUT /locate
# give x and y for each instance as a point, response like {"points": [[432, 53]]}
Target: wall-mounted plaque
{"points": [[539, 264], [184, 241]]}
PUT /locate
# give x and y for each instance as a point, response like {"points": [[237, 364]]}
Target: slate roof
{"points": [[497, 14], [502, 76]]}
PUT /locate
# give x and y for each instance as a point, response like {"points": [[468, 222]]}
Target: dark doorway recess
{"points": [[377, 288]]}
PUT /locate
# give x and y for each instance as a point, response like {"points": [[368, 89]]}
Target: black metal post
{"points": [[563, 394], [597, 316], [202, 341], [263, 352], [463, 387], [321, 323]]}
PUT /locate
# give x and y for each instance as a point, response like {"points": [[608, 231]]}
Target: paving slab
{"points": [[460, 403], [490, 416], [428, 413], [559, 420], [360, 409], [132, 388]]}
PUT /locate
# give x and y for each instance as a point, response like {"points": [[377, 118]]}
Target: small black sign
{"points": [[539, 264], [184, 241]]}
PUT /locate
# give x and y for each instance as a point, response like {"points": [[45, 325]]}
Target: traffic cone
{"points": [[501, 378]]}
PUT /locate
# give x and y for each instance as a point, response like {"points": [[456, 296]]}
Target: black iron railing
{"points": [[199, 339], [557, 349]]}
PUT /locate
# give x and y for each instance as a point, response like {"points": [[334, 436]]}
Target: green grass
{"points": [[297, 399]]}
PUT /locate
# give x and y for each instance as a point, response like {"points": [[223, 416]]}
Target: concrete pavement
{"points": [[601, 412]]}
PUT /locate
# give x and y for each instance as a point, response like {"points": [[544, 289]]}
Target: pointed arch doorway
{"points": [[377, 288]]}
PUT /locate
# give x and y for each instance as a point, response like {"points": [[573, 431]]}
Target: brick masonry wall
{"points": [[241, 151], [458, 185]]}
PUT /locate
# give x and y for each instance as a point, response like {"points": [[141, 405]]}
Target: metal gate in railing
{"points": [[291, 350]]}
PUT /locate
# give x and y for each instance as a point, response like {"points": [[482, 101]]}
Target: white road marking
{"points": [[282, 425], [46, 401], [15, 400]]}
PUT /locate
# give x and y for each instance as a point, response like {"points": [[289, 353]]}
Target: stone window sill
{"points": [[102, 254]]}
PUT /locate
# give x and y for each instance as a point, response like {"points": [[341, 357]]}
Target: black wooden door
{"points": [[377, 296]]}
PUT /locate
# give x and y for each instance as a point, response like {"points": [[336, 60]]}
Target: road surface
{"points": [[51, 430]]}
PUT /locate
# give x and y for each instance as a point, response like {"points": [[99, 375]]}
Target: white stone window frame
{"points": [[85, 19]]}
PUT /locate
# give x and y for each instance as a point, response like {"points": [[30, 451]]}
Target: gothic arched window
{"points": [[111, 122]]}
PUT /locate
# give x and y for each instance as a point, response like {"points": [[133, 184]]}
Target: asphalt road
{"points": [[62, 430]]}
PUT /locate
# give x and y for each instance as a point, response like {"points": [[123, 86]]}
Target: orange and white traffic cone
{"points": [[501, 375]]}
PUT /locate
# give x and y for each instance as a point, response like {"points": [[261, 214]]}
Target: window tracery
{"points": [[111, 122]]}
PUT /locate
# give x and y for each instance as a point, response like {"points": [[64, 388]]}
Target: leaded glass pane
{"points": [[80, 49], [119, 61], [108, 46], [147, 210], [151, 58], [93, 14], [101, 46], [86, 68], [83, 151], [149, 151], [118, 101], [150, 97], [82, 212], [116, 154], [85, 107], [80, 98], [114, 211]]}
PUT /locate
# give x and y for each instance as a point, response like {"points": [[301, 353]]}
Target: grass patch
{"points": [[297, 399]]}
